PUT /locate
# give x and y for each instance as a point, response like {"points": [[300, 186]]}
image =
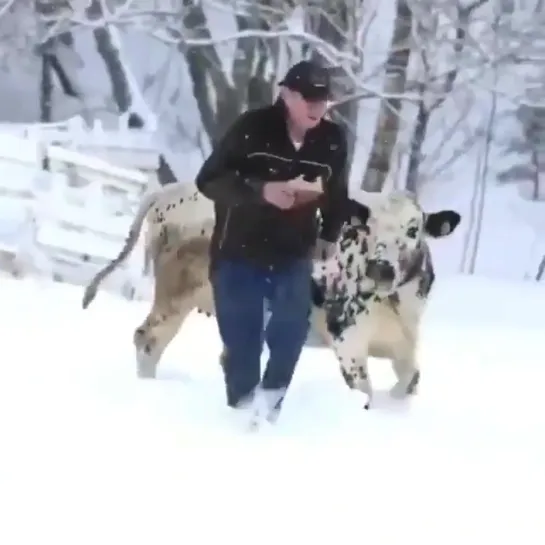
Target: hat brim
{"points": [[310, 93], [314, 94]]}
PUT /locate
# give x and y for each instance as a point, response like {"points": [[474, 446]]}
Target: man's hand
{"points": [[282, 194], [300, 185], [279, 194]]}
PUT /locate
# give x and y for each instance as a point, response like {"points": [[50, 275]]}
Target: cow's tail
{"points": [[131, 240]]}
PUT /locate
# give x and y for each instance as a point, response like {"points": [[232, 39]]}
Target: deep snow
{"points": [[91, 455]]}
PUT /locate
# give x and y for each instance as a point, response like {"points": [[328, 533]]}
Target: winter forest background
{"points": [[443, 97]]}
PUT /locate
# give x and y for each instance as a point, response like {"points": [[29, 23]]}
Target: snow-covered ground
{"points": [[91, 455]]}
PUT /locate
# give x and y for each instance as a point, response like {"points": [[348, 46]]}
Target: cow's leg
{"points": [[405, 363], [205, 304], [406, 369], [351, 346], [154, 335], [355, 373], [318, 325], [356, 376]]}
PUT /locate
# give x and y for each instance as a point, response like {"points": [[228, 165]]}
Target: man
{"points": [[266, 231]]}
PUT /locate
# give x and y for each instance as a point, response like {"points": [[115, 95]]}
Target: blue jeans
{"points": [[240, 292]]}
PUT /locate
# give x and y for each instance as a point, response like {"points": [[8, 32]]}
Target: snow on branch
{"points": [[168, 27], [463, 24], [6, 6]]}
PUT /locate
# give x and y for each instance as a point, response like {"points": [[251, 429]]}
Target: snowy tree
{"points": [[49, 46], [435, 56], [264, 39], [439, 51], [529, 150], [434, 84], [525, 33], [342, 26], [455, 51], [387, 129]]}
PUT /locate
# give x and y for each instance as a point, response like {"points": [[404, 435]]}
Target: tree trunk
{"points": [[481, 195], [417, 142], [219, 102], [121, 90], [46, 97], [51, 65], [337, 25], [110, 55], [535, 164], [387, 128], [424, 112], [483, 185], [205, 69]]}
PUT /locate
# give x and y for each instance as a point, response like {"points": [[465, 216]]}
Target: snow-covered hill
{"points": [[92, 455]]}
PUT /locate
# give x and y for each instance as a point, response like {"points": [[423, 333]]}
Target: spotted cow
{"points": [[367, 301], [370, 302], [179, 226]]}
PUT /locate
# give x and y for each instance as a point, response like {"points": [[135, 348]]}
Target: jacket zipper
{"points": [[224, 229]]}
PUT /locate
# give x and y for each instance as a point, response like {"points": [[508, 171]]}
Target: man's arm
{"points": [[219, 178], [333, 209]]}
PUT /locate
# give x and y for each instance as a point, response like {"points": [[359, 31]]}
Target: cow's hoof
{"points": [[412, 388], [145, 367], [405, 386], [399, 390]]}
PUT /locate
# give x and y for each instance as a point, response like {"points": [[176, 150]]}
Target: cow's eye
{"points": [[412, 232]]}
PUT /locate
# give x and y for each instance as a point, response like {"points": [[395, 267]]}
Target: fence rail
{"points": [[70, 220]]}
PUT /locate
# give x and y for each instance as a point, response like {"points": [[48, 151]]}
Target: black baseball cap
{"points": [[310, 79]]}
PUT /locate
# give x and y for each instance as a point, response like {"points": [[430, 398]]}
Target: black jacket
{"points": [[256, 150]]}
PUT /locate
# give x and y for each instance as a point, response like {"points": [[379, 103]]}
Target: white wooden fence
{"points": [[123, 146], [69, 221]]}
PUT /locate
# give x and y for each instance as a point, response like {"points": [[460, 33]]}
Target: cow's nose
{"points": [[380, 270]]}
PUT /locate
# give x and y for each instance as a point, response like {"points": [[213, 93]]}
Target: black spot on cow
{"points": [[364, 248], [348, 378], [393, 299], [362, 373], [426, 280], [334, 326], [348, 237], [318, 293]]}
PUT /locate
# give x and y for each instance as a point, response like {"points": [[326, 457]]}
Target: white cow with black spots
{"points": [[373, 302]]}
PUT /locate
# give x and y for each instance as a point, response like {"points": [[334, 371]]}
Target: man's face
{"points": [[304, 113]]}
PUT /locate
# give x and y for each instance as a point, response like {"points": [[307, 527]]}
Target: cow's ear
{"points": [[440, 224], [358, 213]]}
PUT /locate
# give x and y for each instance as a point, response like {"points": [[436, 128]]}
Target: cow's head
{"points": [[390, 236]]}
